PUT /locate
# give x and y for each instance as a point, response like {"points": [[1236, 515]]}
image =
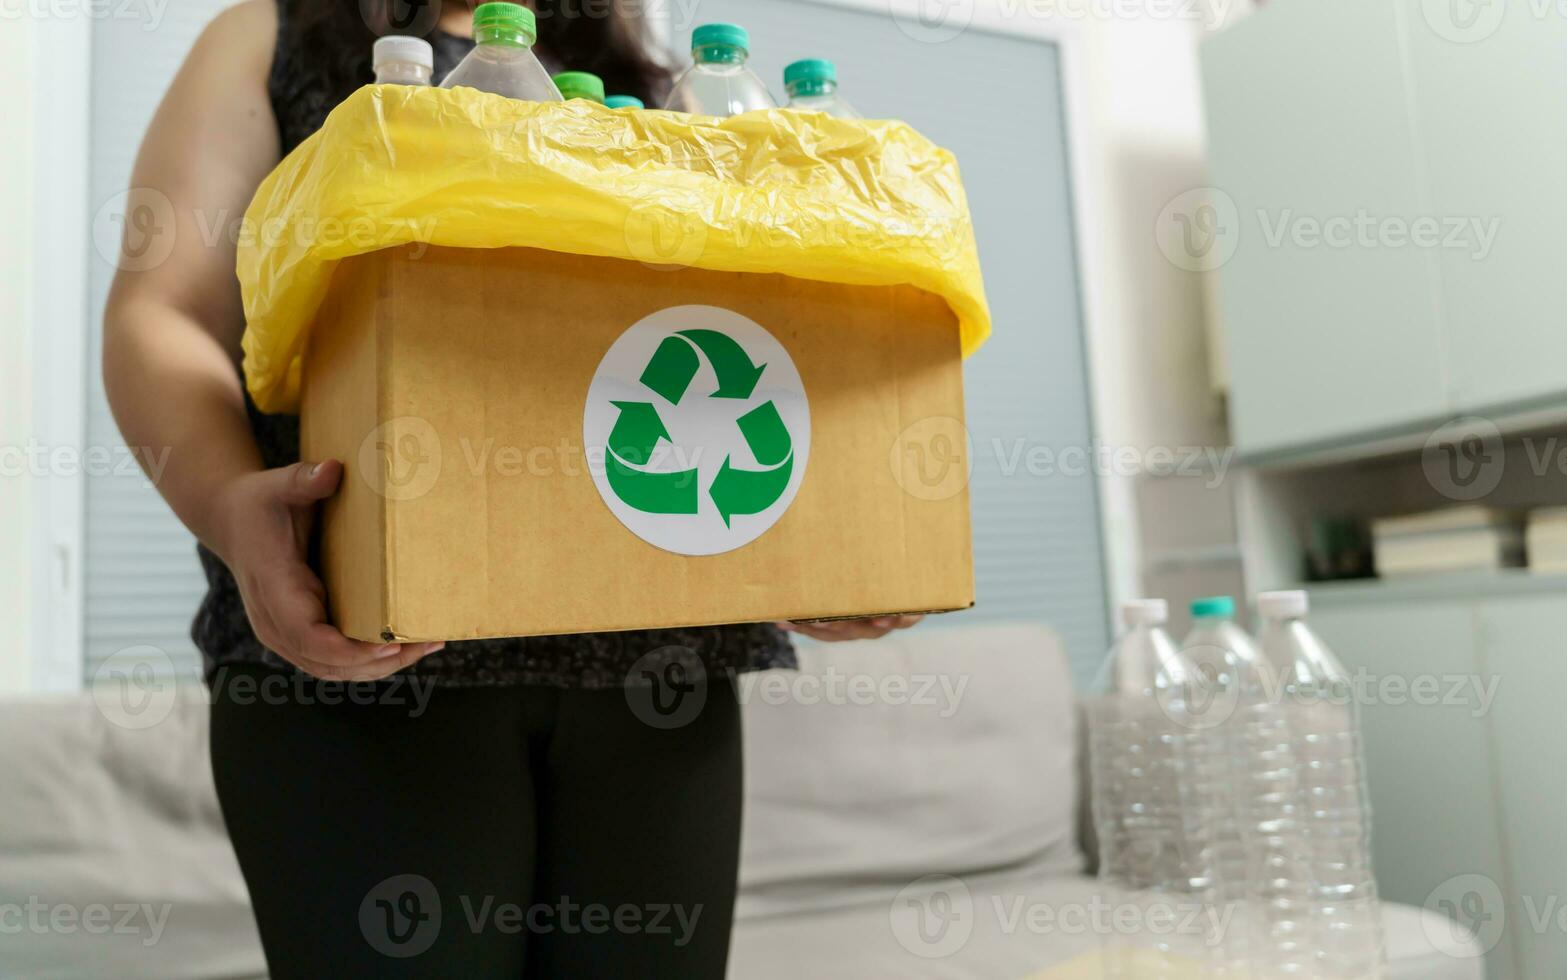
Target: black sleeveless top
{"points": [[301, 99]]}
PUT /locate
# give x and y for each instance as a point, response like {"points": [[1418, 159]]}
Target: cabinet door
{"points": [[1524, 644], [1434, 816], [1490, 90], [1332, 333]]}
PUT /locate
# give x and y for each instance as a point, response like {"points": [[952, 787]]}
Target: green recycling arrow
{"points": [[670, 371], [737, 376], [737, 491], [748, 491], [636, 433], [638, 429]]}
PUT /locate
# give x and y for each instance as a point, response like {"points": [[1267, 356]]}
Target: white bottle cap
{"points": [[1145, 612], [1291, 604], [396, 48]]}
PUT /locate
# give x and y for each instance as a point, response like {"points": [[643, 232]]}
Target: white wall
{"points": [[16, 222], [43, 246], [1148, 317]]}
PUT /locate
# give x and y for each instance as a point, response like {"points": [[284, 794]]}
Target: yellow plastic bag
{"points": [[866, 203]]}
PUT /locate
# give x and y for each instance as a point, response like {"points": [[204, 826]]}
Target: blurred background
{"points": [[1276, 305]]}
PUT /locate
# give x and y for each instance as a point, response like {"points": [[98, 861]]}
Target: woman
{"points": [[515, 815]]}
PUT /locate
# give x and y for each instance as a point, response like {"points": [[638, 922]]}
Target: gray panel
{"points": [[1435, 820], [1521, 644], [141, 578], [1036, 530]]}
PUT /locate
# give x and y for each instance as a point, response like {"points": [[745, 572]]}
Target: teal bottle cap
{"points": [[810, 70], [725, 35], [1221, 606], [624, 102]]}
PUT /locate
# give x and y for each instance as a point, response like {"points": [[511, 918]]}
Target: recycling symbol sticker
{"points": [[703, 428]]}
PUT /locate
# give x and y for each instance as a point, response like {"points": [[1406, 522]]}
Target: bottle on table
{"points": [[1146, 751], [812, 84], [402, 60], [1316, 698], [1251, 800], [580, 85], [623, 102], [718, 83], [502, 60]]}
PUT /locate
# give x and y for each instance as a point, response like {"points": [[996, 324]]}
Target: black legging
{"points": [[496, 832]]}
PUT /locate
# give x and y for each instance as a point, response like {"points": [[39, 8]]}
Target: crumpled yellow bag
{"points": [[866, 203]]}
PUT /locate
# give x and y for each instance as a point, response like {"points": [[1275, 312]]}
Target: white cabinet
{"points": [[1395, 168], [1523, 644], [1491, 107], [1429, 755], [1308, 124]]}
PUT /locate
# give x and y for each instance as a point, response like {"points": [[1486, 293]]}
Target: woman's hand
{"points": [[852, 629], [263, 522]]}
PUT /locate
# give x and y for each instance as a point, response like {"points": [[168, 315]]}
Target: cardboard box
{"points": [[458, 387]]}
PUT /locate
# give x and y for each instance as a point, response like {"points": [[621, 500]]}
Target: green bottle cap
{"points": [[624, 102], [722, 36], [812, 70], [1221, 606], [510, 24], [580, 85]]}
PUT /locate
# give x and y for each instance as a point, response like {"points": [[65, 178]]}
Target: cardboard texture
{"points": [[452, 382]]}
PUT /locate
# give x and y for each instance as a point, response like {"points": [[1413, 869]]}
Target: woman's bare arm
{"points": [[171, 345]]}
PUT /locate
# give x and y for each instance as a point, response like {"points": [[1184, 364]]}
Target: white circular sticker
{"points": [[702, 425]]}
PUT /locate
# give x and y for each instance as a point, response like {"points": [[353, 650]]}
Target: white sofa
{"points": [[912, 811]]}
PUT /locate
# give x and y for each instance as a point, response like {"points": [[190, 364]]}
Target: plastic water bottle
{"points": [[1258, 842], [1316, 698], [623, 102], [580, 85], [502, 60], [812, 84], [718, 83], [1144, 749], [402, 60]]}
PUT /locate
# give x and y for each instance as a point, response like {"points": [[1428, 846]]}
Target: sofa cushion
{"points": [[937, 749], [113, 856]]}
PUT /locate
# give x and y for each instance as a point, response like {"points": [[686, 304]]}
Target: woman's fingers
{"points": [[852, 629], [402, 655]]}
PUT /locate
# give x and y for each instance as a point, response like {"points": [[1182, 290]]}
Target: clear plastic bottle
{"points": [[1316, 698], [402, 60], [812, 84], [1143, 748], [718, 83], [580, 85], [502, 60], [1258, 843], [623, 102]]}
